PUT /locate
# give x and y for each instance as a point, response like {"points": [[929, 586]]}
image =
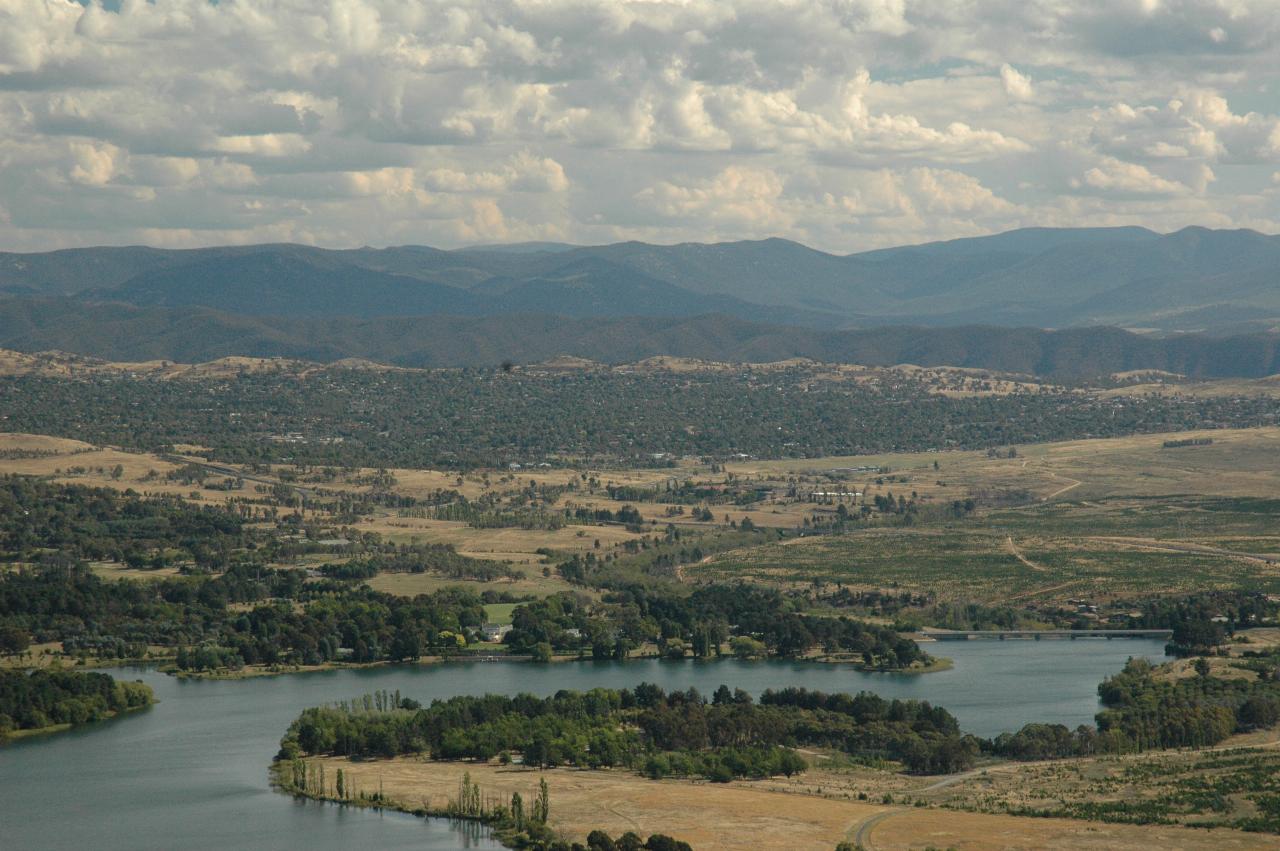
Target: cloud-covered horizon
{"points": [[843, 124]]}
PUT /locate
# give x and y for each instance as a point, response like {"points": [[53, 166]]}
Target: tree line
{"points": [[699, 624], [32, 700], [658, 733], [1145, 712], [292, 619]]}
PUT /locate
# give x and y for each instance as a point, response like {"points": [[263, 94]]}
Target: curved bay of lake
{"points": [[191, 772]]}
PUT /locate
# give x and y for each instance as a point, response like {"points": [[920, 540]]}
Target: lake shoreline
{"points": [[379, 803], [199, 757], [54, 729], [935, 665]]}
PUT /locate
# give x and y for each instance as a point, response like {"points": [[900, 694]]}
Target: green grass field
{"points": [[1047, 551], [499, 613]]}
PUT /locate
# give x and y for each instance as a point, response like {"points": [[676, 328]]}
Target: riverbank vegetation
{"points": [[247, 612], [1133, 767], [1144, 711], [39, 701]]}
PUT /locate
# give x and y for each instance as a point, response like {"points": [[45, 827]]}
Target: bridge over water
{"points": [[1036, 634]]}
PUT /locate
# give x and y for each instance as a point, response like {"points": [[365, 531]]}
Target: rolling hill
{"points": [[122, 332], [1192, 280]]}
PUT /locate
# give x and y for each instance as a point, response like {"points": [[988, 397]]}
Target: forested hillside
{"points": [[1194, 279], [195, 334], [456, 419]]}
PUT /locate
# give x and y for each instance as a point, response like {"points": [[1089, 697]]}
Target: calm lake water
{"points": [[191, 772]]}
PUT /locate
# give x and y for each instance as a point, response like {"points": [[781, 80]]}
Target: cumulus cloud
{"points": [[744, 198], [1121, 178], [843, 123], [1195, 124], [1016, 85]]}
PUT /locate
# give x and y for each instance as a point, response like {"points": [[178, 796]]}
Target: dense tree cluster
{"points": [[925, 738], [1203, 621], [646, 729], [466, 419], [685, 493], [100, 524], [287, 618], [700, 623], [441, 559], [36, 699], [598, 840], [193, 615], [1145, 712]]}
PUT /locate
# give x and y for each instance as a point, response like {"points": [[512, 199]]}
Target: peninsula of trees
{"points": [[37, 701], [646, 729]]}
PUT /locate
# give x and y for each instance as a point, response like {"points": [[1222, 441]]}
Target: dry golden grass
{"points": [[917, 828], [511, 544], [1269, 386], [413, 584], [733, 816], [757, 816], [41, 655], [1048, 786], [66, 365], [112, 570], [50, 654], [1240, 462], [97, 463]]}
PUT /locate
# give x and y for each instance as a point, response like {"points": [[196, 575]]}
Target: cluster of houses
{"points": [[496, 632]]}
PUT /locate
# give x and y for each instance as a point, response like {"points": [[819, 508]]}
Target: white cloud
{"points": [[1016, 85], [745, 198], [837, 122], [521, 173], [263, 145], [1113, 176], [93, 165]]}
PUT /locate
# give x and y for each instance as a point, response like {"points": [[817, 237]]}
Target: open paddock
{"points": [[757, 816]]}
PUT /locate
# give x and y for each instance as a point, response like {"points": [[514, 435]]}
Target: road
{"points": [[223, 470], [1179, 547], [862, 831], [1017, 553]]}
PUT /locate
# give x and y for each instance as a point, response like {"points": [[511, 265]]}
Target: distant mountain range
{"points": [[1192, 280], [982, 302], [121, 332]]}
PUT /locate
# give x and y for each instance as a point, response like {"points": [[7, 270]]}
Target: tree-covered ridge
{"points": [[37, 699], [458, 419], [644, 729]]}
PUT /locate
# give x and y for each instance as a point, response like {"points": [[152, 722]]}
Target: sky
{"points": [[843, 124]]}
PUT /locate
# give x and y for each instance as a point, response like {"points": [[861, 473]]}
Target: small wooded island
{"points": [[46, 701]]}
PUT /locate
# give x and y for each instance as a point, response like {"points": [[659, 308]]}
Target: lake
{"points": [[191, 772]]}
